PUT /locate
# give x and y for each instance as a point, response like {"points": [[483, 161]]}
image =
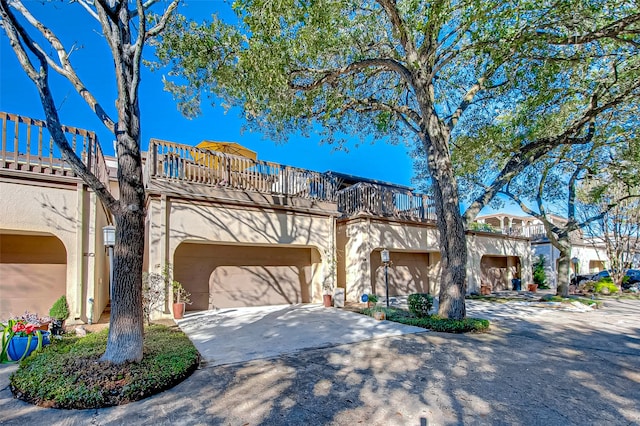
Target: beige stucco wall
{"points": [[174, 221], [65, 209], [49, 210], [360, 237], [484, 243]]}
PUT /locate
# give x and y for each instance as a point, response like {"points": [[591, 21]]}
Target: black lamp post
{"points": [[384, 255], [109, 234]]}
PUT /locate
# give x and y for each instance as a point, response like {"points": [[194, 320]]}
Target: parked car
{"points": [[633, 274], [633, 281]]}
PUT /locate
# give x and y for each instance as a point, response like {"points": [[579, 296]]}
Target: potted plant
{"points": [[180, 299], [59, 312], [379, 314], [327, 295], [41, 323], [372, 299], [19, 339], [539, 274]]}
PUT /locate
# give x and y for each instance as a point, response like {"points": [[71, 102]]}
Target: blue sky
{"points": [[160, 117]]}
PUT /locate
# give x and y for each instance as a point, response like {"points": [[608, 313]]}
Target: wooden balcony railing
{"points": [[28, 146], [383, 201], [183, 163]]}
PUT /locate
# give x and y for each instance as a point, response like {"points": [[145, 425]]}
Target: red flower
{"points": [[18, 327], [29, 328]]}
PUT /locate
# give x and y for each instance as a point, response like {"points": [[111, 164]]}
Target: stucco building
{"points": [[238, 232], [587, 255]]}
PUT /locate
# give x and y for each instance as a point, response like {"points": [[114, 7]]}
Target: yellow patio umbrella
{"points": [[228, 148]]}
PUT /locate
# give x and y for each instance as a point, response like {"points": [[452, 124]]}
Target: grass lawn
{"points": [[69, 374]]}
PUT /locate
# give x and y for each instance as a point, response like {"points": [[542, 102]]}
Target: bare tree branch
{"points": [[16, 32], [399, 27], [467, 99], [332, 75], [65, 68], [162, 23], [611, 30]]}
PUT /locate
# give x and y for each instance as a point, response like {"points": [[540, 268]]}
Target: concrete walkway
{"points": [[555, 368], [229, 336]]}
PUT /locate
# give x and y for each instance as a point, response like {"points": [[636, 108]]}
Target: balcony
{"points": [[183, 164], [27, 146], [382, 201]]}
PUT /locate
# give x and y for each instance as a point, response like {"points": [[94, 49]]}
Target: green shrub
{"points": [[60, 309], [372, 298], [539, 273], [607, 283], [486, 227], [433, 322], [69, 373], [420, 304], [447, 325]]}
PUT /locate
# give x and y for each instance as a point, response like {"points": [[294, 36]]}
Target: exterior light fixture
{"points": [[109, 236], [384, 256]]}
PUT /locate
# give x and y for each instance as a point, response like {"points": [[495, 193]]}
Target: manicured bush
{"points": [[433, 322], [69, 374], [60, 309], [420, 304], [447, 325]]}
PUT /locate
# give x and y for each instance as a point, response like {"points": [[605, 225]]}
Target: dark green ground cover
{"points": [[69, 374]]}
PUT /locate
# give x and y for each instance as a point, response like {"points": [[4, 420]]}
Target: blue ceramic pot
{"points": [[18, 345]]}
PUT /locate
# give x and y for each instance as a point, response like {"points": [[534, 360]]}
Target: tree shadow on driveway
{"points": [[566, 368]]}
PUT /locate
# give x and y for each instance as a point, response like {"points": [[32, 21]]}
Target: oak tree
{"points": [[436, 73]]}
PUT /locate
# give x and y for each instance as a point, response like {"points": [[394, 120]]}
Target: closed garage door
{"points": [[408, 273], [33, 273], [226, 276]]}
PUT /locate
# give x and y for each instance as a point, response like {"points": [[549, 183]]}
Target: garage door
{"points": [[496, 270], [226, 276], [33, 273], [408, 273]]}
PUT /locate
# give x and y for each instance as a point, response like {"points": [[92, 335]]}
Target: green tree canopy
{"points": [[439, 73]]}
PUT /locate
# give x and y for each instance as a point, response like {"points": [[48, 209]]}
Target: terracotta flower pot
{"points": [[485, 290], [178, 310], [532, 287], [380, 315], [327, 300]]}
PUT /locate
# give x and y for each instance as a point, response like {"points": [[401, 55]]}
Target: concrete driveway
{"points": [[235, 335], [555, 368]]}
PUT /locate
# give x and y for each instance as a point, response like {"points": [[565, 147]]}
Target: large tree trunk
{"points": [[564, 262], [125, 340], [126, 325], [453, 246]]}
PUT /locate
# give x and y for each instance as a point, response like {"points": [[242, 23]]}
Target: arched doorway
{"points": [[34, 273]]}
